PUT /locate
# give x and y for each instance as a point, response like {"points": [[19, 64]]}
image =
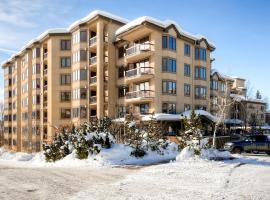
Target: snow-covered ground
{"points": [[246, 177]]}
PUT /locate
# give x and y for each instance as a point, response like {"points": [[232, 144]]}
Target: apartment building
{"points": [[240, 108], [102, 65]]}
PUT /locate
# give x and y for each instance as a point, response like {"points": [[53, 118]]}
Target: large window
{"points": [[36, 53], [186, 49], [200, 107], [65, 45], [65, 113], [83, 36], [169, 87], [36, 83], [200, 54], [214, 85], [186, 89], [169, 42], [80, 74], [144, 108], [144, 86], [80, 93], [65, 62], [65, 79], [36, 68], [169, 108], [200, 92], [65, 96], [187, 69], [168, 65], [200, 72]]}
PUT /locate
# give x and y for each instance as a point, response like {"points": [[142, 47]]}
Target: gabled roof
{"points": [[163, 24], [221, 76], [96, 13]]}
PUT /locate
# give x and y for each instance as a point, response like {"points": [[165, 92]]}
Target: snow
{"points": [[233, 121], [161, 117], [208, 115], [163, 24], [119, 154], [96, 13], [240, 98]]}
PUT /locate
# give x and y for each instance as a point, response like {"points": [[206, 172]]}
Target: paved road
{"points": [[52, 183]]}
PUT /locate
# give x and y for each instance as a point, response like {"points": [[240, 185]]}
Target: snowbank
{"points": [[188, 153], [119, 154]]}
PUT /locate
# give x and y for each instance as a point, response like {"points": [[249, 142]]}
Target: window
{"points": [[168, 65], [80, 93], [200, 107], [200, 54], [123, 110], [144, 108], [65, 113], [83, 112], [169, 87], [65, 45], [186, 89], [187, 107], [79, 56], [36, 68], [80, 74], [169, 42], [65, 79], [79, 112], [200, 92], [83, 55], [36, 53], [75, 112], [186, 49], [65, 62], [83, 36], [65, 96], [36, 99], [223, 87], [121, 52], [169, 108], [144, 86], [36, 83], [200, 72], [186, 69], [214, 85], [122, 90]]}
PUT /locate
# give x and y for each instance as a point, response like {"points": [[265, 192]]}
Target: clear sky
{"points": [[240, 29]]}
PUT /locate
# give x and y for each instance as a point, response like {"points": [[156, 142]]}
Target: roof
{"points": [[163, 24], [222, 76], [67, 30], [240, 98], [97, 13]]}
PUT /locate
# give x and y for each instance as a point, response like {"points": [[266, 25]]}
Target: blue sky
{"points": [[239, 29]]}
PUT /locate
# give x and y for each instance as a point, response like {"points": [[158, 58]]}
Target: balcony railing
{"points": [[93, 60], [140, 94], [93, 79], [45, 71], [45, 87], [93, 99], [45, 55], [93, 41], [137, 48], [139, 71]]}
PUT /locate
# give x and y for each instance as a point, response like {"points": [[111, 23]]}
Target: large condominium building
{"points": [[102, 65]]}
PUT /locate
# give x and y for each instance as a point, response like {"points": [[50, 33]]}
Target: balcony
{"points": [[45, 56], [45, 88], [45, 72], [140, 95], [93, 41], [93, 79], [138, 51], [93, 99], [138, 74], [93, 61]]}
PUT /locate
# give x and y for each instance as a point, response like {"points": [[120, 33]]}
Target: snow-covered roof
{"points": [[162, 117], [204, 113], [223, 76], [67, 30], [240, 98], [163, 24], [233, 121], [96, 13]]}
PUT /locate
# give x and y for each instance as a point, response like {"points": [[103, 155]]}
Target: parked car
{"points": [[251, 143]]}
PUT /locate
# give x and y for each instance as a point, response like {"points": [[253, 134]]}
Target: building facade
{"points": [[102, 65]]}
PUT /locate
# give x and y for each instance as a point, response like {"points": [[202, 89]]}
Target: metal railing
{"points": [[140, 94], [139, 71], [137, 48], [93, 79], [45, 55], [93, 60], [93, 41], [45, 87], [93, 99], [45, 71]]}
